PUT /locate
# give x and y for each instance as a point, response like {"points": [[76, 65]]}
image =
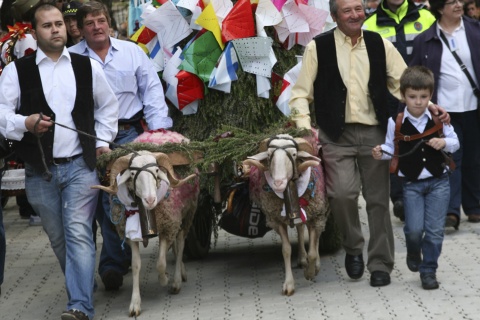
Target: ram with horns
{"points": [[155, 201], [287, 181]]}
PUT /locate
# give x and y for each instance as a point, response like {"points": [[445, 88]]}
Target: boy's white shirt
{"points": [[451, 140]]}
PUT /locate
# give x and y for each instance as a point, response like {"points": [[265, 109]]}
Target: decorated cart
{"points": [[228, 63]]}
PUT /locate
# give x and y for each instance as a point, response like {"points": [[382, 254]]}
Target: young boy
{"points": [[423, 172]]}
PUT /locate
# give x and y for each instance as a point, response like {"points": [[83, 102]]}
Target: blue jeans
{"points": [[465, 180], [425, 202], [113, 256], [66, 205], [3, 242]]}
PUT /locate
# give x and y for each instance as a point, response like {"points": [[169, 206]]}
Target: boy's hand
{"points": [[377, 152], [437, 143]]}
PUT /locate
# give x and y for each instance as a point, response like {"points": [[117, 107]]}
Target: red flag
{"points": [[239, 22], [189, 88]]}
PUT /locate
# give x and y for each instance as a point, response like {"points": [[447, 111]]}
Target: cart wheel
{"points": [[4, 201], [197, 243], [331, 238]]}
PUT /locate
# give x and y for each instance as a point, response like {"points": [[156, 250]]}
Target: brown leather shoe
{"points": [[452, 221], [474, 218]]}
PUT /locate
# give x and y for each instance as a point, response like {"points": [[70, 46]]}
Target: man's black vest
{"points": [[32, 100], [424, 157], [330, 93]]}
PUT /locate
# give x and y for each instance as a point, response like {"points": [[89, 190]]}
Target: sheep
{"points": [[283, 158], [143, 175]]}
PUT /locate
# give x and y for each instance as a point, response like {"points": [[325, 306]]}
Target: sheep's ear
{"points": [[162, 175], [259, 156], [124, 177], [307, 156]]}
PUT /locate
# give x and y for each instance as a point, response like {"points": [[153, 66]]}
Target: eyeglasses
{"points": [[453, 2]]}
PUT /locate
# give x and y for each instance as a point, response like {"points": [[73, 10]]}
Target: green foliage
{"points": [[240, 108]]}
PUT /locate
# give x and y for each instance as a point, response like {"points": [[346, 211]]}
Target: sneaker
{"points": [[112, 280], [413, 261], [74, 314], [429, 281], [35, 221]]}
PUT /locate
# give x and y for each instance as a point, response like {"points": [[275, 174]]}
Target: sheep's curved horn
{"points": [[255, 163], [263, 146], [306, 164], [117, 167], [164, 161], [304, 145]]}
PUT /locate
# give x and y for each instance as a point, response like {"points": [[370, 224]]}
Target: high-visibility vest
{"points": [[400, 27]]}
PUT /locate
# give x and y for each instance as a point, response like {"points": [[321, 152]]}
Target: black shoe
{"points": [[354, 266], [452, 221], [398, 210], [379, 279], [429, 281], [112, 280], [413, 261], [74, 315]]}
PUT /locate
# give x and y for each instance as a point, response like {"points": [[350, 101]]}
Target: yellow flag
{"points": [[135, 36], [208, 20]]}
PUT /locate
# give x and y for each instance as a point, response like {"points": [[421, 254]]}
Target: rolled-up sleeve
{"points": [[151, 89], [106, 106], [12, 125], [302, 90]]}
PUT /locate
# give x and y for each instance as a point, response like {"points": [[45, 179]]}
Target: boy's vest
{"points": [[406, 138], [32, 100]]}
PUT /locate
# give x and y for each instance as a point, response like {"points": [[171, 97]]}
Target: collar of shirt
{"points": [[42, 56], [461, 27], [413, 120], [342, 38], [85, 48]]}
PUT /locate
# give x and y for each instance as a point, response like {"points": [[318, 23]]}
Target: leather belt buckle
{"points": [[59, 161], [122, 127]]}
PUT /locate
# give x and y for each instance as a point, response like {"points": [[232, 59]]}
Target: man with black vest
{"points": [[53, 84], [348, 79]]}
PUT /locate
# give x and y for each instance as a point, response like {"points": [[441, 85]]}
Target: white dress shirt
{"points": [[451, 140], [132, 77], [59, 87], [455, 93]]}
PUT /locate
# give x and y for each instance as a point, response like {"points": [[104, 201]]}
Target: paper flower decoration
{"points": [[201, 56], [189, 88], [239, 22]]}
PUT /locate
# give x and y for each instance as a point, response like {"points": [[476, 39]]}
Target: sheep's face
{"points": [[281, 162], [145, 177], [286, 159]]}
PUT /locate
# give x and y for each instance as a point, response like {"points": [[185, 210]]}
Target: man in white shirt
{"points": [[139, 91], [53, 84]]}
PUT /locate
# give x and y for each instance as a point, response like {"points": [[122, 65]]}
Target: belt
{"points": [[57, 161], [125, 126]]}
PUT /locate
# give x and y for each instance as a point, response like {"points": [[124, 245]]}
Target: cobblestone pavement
{"points": [[242, 279]]}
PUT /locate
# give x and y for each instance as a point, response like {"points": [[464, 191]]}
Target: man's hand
{"points": [[440, 112], [41, 127], [377, 153], [102, 150]]}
